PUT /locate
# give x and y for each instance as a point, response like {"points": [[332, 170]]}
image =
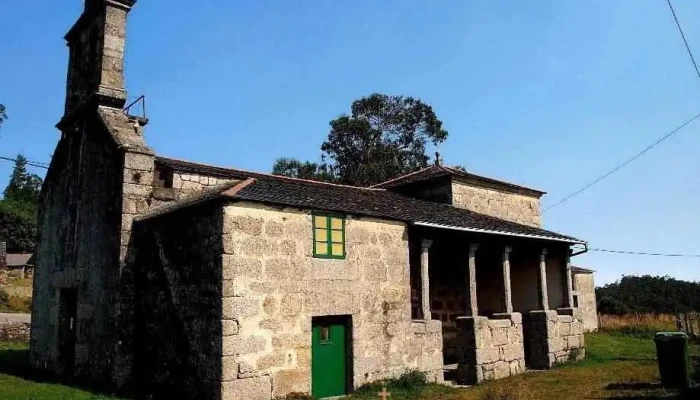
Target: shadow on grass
{"points": [[15, 362], [650, 391]]}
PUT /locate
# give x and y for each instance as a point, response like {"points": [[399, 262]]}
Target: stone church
{"points": [[184, 280]]}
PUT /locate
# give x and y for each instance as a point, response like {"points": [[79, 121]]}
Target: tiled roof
{"points": [[202, 169], [371, 202], [438, 171], [581, 270], [18, 260]]}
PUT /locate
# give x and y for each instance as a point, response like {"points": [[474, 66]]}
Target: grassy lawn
{"points": [[16, 296], [14, 385], [617, 367]]}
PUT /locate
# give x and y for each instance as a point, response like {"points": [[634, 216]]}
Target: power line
{"points": [[620, 166], [35, 164], [687, 47], [640, 253]]}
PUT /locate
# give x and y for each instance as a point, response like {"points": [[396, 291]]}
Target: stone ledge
{"points": [[165, 194]]}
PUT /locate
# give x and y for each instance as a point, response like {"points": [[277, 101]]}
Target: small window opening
{"points": [[163, 178]]}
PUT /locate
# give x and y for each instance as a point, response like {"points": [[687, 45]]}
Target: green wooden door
{"points": [[328, 359]]}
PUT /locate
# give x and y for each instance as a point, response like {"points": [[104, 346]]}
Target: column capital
{"points": [[507, 250], [426, 243], [544, 251], [473, 247]]}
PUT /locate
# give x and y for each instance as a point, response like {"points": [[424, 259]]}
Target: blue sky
{"points": [[549, 94]]}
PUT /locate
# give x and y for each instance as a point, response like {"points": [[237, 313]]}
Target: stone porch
{"points": [[506, 303]]}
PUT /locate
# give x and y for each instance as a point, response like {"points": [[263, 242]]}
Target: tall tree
{"points": [[23, 187], [302, 169], [3, 114], [383, 137], [18, 208]]}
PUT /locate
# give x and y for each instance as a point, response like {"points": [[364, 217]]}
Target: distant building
{"points": [[194, 281], [15, 265]]}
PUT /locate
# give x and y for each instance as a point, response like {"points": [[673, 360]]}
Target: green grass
{"points": [[17, 382], [616, 367]]}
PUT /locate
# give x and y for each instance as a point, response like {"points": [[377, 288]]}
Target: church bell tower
{"points": [[96, 63]]}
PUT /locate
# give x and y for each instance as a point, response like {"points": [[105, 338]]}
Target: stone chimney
{"points": [[3, 254], [96, 63]]}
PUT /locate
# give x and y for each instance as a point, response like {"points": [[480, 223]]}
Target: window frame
{"points": [[329, 235]]}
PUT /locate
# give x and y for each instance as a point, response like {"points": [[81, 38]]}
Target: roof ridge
{"points": [[459, 171], [281, 177], [404, 176]]}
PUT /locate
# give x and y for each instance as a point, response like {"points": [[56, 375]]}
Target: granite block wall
{"points": [[492, 348], [584, 292], [555, 337], [273, 287], [510, 206]]}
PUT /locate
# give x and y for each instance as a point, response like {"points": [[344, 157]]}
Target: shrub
{"points": [[574, 354], [20, 304], [507, 392], [410, 382], [4, 298], [295, 396], [14, 303]]}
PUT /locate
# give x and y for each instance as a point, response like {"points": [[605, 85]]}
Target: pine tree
{"points": [[18, 209]]}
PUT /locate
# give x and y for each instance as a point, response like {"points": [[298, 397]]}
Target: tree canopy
{"points": [[3, 114], [383, 137], [18, 208], [648, 294]]}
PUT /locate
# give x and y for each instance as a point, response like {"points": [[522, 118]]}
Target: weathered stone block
{"points": [[270, 305], [555, 344], [229, 327], [285, 382], [277, 269], [237, 267], [501, 369], [514, 351], [573, 342], [488, 355], [566, 319], [433, 326], [233, 288], [304, 358], [257, 388], [229, 368], [236, 345], [500, 336], [244, 224], [417, 327], [291, 341], [273, 325], [136, 161], [239, 307], [500, 323], [273, 360]]}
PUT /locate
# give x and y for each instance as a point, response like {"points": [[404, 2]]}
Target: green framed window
{"points": [[329, 236]]}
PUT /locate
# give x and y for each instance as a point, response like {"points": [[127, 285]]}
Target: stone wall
{"points": [[510, 206], [492, 348], [584, 292], [555, 337], [82, 232], [187, 184], [78, 248], [15, 332], [273, 287], [177, 330]]}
